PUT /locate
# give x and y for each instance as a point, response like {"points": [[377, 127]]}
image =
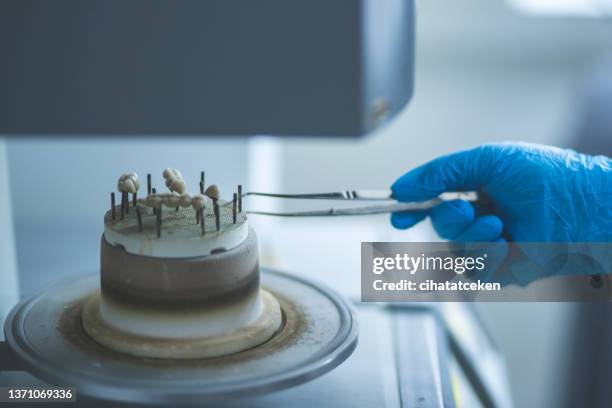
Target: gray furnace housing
{"points": [[204, 67]]}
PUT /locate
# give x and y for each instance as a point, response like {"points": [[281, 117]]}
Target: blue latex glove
{"points": [[537, 193]]}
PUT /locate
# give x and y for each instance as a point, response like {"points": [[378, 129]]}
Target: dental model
{"points": [[174, 180], [175, 200], [128, 183], [199, 201], [212, 191], [206, 208]]}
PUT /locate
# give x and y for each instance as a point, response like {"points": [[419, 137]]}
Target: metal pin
{"points": [[216, 210], [139, 217], [134, 199], [148, 183], [127, 203], [154, 191], [122, 205], [113, 206], [197, 216], [202, 182], [203, 221], [159, 221], [239, 198], [234, 202]]}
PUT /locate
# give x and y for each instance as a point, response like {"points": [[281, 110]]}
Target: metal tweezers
{"points": [[361, 195]]}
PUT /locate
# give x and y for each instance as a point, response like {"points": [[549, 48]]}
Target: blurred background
{"points": [[486, 71]]}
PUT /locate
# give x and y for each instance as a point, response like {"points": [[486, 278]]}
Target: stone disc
{"points": [[244, 338], [318, 332]]}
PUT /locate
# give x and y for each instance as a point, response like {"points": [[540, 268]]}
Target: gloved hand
{"points": [[537, 193]]}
